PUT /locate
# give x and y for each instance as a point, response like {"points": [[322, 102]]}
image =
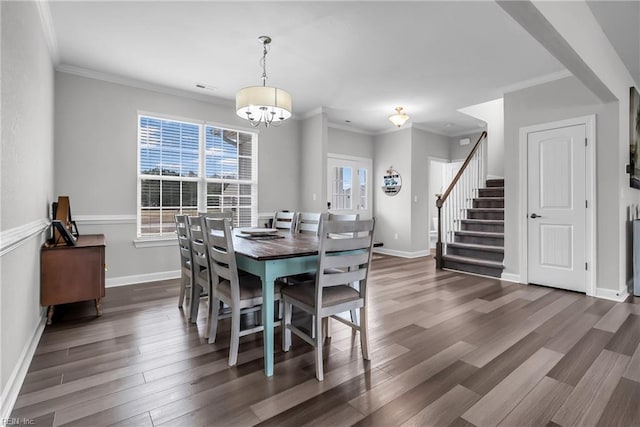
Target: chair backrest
{"points": [[220, 215], [222, 257], [344, 217], [308, 222], [344, 255], [184, 240], [198, 244], [284, 220]]}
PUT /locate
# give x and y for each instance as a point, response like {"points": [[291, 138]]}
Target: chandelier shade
{"points": [[263, 104], [399, 118]]}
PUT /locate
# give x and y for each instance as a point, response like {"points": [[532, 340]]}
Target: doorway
{"points": [[558, 212], [349, 185]]}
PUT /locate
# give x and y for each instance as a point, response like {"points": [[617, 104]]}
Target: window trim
{"points": [[142, 240]]}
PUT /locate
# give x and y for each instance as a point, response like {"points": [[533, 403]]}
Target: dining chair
{"points": [[283, 220], [186, 271], [308, 222], [242, 293], [344, 257], [200, 263]]}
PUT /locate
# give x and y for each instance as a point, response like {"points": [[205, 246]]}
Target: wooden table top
{"points": [[290, 245]]}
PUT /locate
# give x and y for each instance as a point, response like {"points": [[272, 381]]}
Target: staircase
{"points": [[478, 247]]}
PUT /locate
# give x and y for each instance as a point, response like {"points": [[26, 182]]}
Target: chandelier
{"points": [[263, 104], [399, 117]]}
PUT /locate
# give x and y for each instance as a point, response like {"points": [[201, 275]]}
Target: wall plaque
{"points": [[392, 182]]}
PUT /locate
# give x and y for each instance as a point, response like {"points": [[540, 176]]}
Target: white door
{"points": [[348, 186], [556, 207]]}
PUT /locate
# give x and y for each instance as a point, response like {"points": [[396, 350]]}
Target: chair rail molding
{"points": [[105, 219], [14, 237]]}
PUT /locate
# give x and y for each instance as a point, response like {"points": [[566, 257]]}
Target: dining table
{"points": [[279, 254]]}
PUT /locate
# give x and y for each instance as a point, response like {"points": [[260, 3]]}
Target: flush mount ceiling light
{"points": [[263, 104], [399, 117]]}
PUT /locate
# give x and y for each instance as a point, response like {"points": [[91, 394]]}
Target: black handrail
{"points": [[443, 197]]}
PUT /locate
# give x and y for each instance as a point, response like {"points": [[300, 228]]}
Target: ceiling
{"points": [[357, 60]]}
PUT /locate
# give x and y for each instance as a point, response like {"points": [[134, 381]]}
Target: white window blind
{"points": [[190, 167]]}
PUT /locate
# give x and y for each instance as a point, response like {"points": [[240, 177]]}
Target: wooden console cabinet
{"points": [[73, 273]]}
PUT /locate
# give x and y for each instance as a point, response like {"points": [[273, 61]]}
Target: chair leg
{"points": [[326, 327], [196, 289], [319, 342], [235, 335], [286, 332], [364, 334], [183, 288], [213, 318], [354, 317]]}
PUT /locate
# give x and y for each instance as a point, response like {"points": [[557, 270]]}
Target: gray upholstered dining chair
{"points": [[242, 293], [186, 271], [283, 220], [344, 257]]}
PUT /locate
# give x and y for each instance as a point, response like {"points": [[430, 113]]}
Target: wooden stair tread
{"points": [[496, 198], [473, 261], [486, 209], [483, 221], [476, 246], [479, 233]]}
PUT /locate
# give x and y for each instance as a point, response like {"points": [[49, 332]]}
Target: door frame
{"points": [[590, 181], [367, 161]]}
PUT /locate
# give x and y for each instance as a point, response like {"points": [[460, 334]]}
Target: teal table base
{"points": [[269, 271]]}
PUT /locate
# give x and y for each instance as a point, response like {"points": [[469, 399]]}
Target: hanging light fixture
{"points": [[263, 104], [399, 117]]}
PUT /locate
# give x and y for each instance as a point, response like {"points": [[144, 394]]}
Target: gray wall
{"points": [[349, 143], [424, 145], [558, 100], [393, 213], [96, 158], [460, 152], [313, 162], [26, 176]]}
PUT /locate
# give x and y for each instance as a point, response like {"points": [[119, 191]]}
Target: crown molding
{"points": [[311, 113], [346, 128], [535, 81], [430, 129], [49, 30], [468, 132], [126, 81]]}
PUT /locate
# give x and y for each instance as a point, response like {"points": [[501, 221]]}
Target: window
{"points": [[189, 167], [348, 185]]}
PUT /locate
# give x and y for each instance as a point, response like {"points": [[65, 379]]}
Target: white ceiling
{"points": [[358, 60]]}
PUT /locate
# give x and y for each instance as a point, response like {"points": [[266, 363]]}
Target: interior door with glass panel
{"points": [[349, 185]]}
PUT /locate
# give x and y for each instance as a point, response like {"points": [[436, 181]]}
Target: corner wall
{"points": [[553, 101], [26, 179], [96, 162]]}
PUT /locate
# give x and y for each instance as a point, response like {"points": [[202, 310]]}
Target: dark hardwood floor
{"points": [[447, 349]]}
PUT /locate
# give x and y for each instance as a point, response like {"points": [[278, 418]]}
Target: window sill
{"points": [[151, 242]]}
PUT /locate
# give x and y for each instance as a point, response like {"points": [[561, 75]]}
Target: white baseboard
{"points": [[14, 384], [113, 282], [402, 254], [611, 294], [509, 277]]}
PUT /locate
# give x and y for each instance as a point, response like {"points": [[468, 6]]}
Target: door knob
{"points": [[535, 215]]}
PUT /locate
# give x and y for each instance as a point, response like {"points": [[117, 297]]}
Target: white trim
{"points": [[126, 81], [402, 254], [611, 294], [509, 277], [590, 180], [105, 219], [536, 81], [470, 133], [16, 379], [114, 282], [49, 30], [311, 113], [349, 128], [150, 242], [426, 128], [14, 237]]}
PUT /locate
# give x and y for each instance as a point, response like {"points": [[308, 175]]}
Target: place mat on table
{"points": [[261, 237]]}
